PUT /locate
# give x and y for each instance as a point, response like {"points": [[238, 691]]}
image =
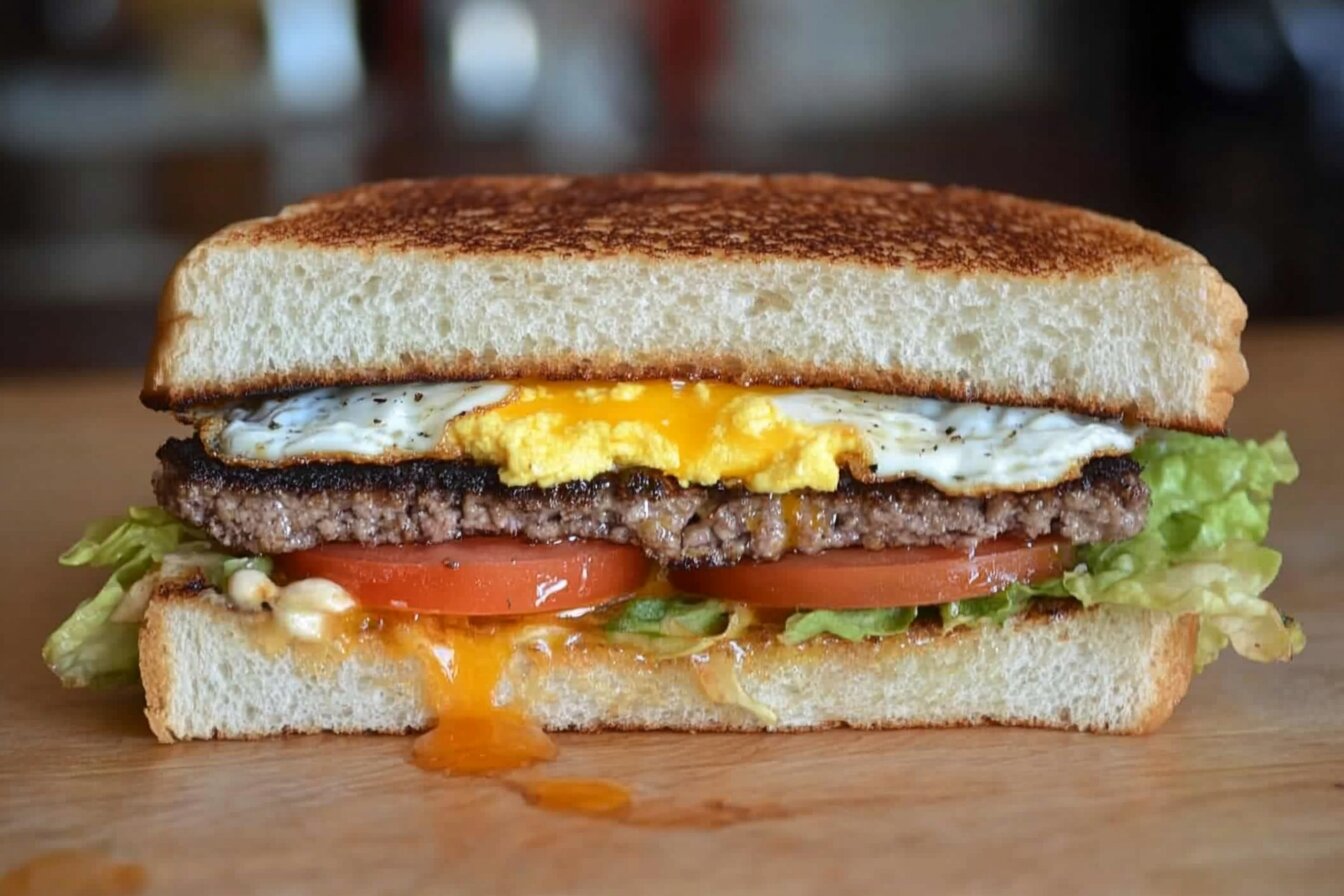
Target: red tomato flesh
{"points": [[479, 576], [496, 576], [856, 578]]}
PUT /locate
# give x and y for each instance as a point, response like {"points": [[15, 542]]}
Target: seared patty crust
{"points": [[279, 510]]}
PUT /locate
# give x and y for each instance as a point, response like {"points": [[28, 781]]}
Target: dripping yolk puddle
{"points": [[474, 736], [72, 872], [483, 745], [583, 796]]}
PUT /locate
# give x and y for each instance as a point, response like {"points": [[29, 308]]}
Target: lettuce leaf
{"points": [[664, 628], [992, 609], [89, 648], [1200, 551], [672, 618], [99, 643], [1207, 492], [667, 627], [852, 625], [1222, 586]]}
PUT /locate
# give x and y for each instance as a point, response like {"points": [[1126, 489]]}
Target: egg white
{"points": [[361, 422], [962, 447]]}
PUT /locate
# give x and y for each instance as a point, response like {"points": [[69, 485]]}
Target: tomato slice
{"points": [[855, 578], [478, 576]]}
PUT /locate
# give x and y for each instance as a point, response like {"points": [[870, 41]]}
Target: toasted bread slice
{"points": [[808, 280], [207, 674]]}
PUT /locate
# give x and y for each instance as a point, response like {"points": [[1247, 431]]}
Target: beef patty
{"points": [[278, 510]]}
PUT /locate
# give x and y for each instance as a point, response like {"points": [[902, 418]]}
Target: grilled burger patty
{"points": [[278, 510]]}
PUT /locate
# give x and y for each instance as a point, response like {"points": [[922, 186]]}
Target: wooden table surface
{"points": [[1242, 792]]}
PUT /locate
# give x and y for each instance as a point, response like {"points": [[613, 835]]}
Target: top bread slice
{"points": [[804, 280]]}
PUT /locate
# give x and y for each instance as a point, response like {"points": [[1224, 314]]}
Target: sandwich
{"points": [[502, 456]]}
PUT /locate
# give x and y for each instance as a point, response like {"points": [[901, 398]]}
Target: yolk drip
{"points": [[801, 514], [483, 745], [72, 871], [583, 796], [474, 736], [462, 664], [701, 433]]}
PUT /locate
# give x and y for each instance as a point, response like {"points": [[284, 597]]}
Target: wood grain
{"points": [[1243, 791]]}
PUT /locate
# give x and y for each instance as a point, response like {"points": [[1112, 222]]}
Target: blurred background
{"points": [[130, 129]]}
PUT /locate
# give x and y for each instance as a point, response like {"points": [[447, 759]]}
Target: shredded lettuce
{"points": [[852, 625], [98, 644]]}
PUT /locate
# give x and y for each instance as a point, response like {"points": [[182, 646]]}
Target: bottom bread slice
{"points": [[1107, 669]]}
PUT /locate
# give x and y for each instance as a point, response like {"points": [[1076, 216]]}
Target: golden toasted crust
{"points": [[1230, 375], [813, 217], [156, 667], [722, 218], [1172, 670], [156, 670], [155, 391]]}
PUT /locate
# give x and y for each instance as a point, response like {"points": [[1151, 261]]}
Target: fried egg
{"points": [[766, 439]]}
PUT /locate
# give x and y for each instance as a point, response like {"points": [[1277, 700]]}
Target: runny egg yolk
{"points": [[701, 433], [462, 666], [473, 736]]}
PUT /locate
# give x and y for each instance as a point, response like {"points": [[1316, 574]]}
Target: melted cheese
{"points": [[767, 439]]}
